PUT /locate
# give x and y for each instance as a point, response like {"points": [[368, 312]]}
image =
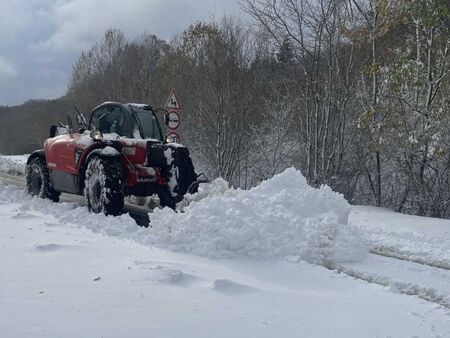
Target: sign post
{"points": [[173, 108]]}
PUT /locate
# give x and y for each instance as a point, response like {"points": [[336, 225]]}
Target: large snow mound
{"points": [[283, 216]]}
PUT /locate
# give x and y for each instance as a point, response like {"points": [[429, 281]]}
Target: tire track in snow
{"points": [[416, 245], [397, 254], [411, 278]]}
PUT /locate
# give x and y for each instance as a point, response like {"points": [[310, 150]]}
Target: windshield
{"points": [[149, 124], [111, 120]]}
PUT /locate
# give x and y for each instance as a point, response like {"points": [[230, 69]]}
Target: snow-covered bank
{"points": [[14, 165], [61, 280]]}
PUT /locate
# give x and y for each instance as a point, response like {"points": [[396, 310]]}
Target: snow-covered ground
{"points": [[234, 263], [14, 165], [421, 239], [61, 279]]}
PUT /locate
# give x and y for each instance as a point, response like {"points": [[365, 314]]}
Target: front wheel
{"points": [[103, 186], [38, 180]]}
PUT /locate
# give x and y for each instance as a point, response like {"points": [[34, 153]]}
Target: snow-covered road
{"points": [[420, 239], [62, 280], [427, 282], [137, 212], [409, 254], [260, 287]]}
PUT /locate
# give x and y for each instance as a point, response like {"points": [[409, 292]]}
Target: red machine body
{"points": [[127, 140]]}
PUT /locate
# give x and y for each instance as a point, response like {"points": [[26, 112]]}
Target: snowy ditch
{"points": [[282, 217]]}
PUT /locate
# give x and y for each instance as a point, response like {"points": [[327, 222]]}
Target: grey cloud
{"points": [[47, 36], [8, 71], [80, 23]]}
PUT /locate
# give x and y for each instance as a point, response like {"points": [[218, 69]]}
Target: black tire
{"points": [[38, 180], [103, 187]]}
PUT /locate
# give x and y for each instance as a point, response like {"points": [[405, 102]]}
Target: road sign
{"points": [[172, 134], [173, 120], [172, 102]]}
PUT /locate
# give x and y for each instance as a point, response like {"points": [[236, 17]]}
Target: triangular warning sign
{"points": [[172, 102]]}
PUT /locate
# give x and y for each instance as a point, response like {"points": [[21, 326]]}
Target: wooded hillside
{"points": [[354, 93]]}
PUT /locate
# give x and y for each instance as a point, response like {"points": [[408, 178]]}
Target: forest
{"points": [[354, 93]]}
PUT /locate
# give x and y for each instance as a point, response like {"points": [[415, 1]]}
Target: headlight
{"points": [[96, 135], [170, 139]]}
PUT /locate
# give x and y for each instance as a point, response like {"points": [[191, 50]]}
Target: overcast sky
{"points": [[41, 39]]}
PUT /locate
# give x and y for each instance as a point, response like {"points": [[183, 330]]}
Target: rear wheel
{"points": [[38, 180], [103, 186]]}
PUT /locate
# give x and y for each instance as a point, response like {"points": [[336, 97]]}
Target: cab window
{"points": [[149, 124], [111, 120]]}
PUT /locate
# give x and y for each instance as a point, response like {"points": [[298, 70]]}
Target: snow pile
{"points": [[14, 165], [281, 217], [218, 187]]}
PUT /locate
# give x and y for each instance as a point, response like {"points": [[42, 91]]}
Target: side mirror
{"points": [[53, 131], [56, 131]]}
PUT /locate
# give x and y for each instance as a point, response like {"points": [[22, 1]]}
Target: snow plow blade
{"points": [[193, 188]]}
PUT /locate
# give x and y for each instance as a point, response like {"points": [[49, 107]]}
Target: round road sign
{"points": [[172, 134], [174, 120]]}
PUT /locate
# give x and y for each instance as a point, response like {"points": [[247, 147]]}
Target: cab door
{"points": [[60, 153], [61, 162]]}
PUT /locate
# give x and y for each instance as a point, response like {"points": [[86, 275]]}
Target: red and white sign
{"points": [[172, 102], [173, 136], [174, 120], [173, 108]]}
